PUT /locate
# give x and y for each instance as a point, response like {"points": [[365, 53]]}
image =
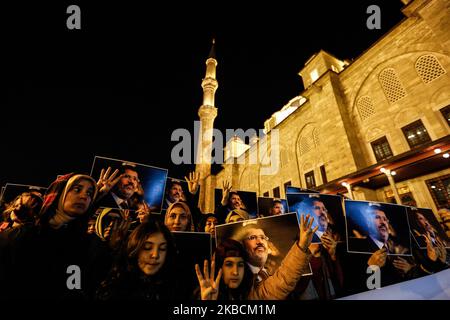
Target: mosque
{"points": [[376, 128]]}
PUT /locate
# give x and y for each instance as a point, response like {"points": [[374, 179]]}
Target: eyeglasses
{"points": [[254, 237]]}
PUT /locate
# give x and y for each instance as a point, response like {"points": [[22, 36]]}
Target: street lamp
{"points": [[349, 189], [389, 175]]}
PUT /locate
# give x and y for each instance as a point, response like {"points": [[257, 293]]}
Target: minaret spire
{"points": [[209, 83], [207, 113], [212, 52]]}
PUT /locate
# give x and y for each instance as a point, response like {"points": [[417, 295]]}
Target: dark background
{"points": [[119, 86]]}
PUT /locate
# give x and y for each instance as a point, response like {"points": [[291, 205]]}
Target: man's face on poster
{"points": [[321, 215], [379, 226], [235, 201], [277, 209], [256, 245], [175, 193], [128, 184], [423, 222]]}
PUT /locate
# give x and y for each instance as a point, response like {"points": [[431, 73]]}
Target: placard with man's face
{"points": [[372, 226], [246, 200], [176, 190], [423, 224], [138, 181], [267, 240], [326, 210], [12, 190], [268, 206]]}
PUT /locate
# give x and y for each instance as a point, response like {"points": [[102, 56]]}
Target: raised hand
{"points": [[208, 286], [106, 181], [226, 188], [192, 181], [306, 233], [329, 244], [378, 258]]}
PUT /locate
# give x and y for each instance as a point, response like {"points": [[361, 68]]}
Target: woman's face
{"points": [[79, 198], [152, 256], [178, 219], [235, 218], [233, 271], [210, 225]]}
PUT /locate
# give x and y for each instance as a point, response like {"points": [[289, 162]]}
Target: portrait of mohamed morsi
{"points": [[372, 226], [281, 232]]}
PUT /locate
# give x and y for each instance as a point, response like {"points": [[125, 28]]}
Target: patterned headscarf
{"points": [[57, 192]]}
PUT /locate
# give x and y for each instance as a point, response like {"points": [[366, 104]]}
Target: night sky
{"points": [[132, 74]]}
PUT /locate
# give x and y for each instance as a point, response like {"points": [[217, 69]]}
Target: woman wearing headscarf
{"points": [[179, 218], [50, 261], [236, 215]]}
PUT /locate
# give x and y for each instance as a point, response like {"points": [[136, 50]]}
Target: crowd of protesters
{"points": [[124, 251]]}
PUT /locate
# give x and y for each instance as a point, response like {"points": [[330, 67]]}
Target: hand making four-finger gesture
{"points": [[193, 181], [306, 233], [106, 181], [208, 286]]}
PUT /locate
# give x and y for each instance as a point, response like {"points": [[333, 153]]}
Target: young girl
{"points": [[234, 278], [146, 270]]}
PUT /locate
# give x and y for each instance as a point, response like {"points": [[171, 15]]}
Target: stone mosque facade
{"points": [[376, 128]]}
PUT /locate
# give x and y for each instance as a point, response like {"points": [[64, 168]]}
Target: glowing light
{"points": [[446, 155], [314, 75], [437, 150], [393, 173]]}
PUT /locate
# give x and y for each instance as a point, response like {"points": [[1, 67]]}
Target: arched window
{"points": [[392, 87], [365, 107], [428, 68]]}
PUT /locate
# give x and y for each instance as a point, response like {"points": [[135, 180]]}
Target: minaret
{"points": [[207, 113]]}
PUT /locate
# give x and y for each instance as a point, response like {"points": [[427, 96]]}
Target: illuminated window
{"points": [[310, 180], [381, 149], [440, 191], [314, 75], [416, 134], [446, 113]]}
